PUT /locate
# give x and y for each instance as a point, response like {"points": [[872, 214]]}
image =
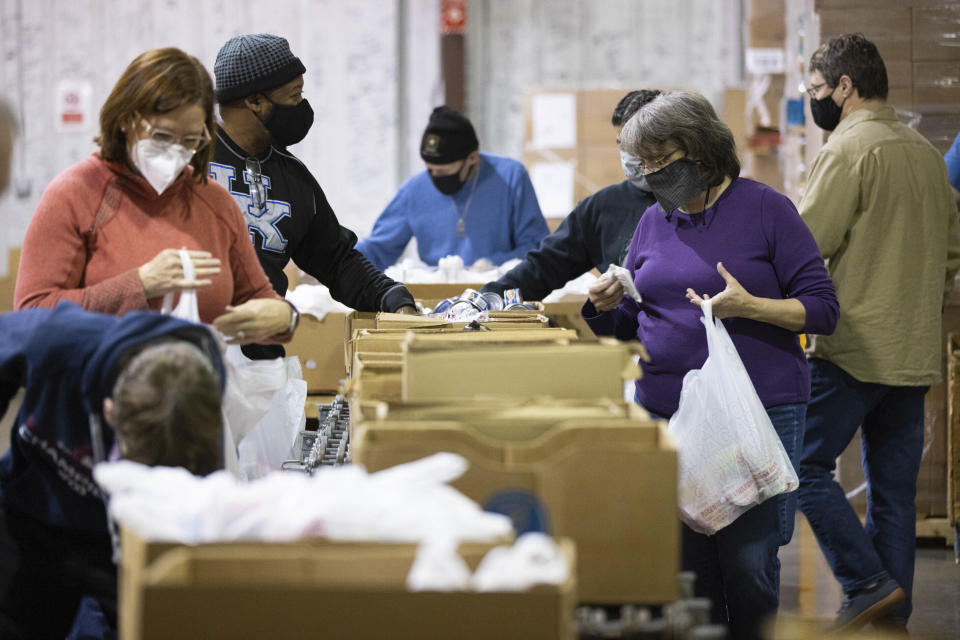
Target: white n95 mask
{"points": [[160, 164]]}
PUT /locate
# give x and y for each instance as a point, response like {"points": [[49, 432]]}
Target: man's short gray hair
{"points": [[686, 121]]}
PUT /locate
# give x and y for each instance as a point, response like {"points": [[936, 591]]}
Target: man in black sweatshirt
{"points": [[595, 234], [259, 89]]}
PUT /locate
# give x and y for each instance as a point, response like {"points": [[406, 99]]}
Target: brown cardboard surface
{"points": [[355, 590], [734, 115], [319, 345], [953, 428], [936, 33], [594, 110], [566, 314], [888, 28], [577, 370], [940, 127], [610, 485], [763, 168], [439, 290], [9, 282], [598, 166], [767, 31], [936, 83]]}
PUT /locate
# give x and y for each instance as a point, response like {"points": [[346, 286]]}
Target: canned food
{"points": [[493, 300]]}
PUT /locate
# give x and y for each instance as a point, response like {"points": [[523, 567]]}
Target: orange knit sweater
{"points": [[98, 222]]}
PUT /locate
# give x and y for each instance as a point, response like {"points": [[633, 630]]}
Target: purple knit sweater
{"points": [[762, 241]]}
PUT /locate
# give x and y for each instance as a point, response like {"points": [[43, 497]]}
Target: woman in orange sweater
{"points": [[108, 230]]}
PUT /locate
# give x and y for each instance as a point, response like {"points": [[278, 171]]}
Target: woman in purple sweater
{"points": [[715, 235]]}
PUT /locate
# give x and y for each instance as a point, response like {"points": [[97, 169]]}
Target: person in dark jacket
{"points": [[143, 386], [597, 232], [263, 111]]}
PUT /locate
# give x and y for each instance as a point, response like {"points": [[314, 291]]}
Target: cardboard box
{"points": [[434, 291], [594, 112], [764, 168], [610, 485], [936, 33], [953, 428], [940, 127], [434, 372], [566, 314], [598, 166], [8, 283], [319, 345], [340, 590], [888, 28], [935, 84]]}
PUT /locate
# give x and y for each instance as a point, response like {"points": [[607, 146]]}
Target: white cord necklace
{"points": [[462, 217]]}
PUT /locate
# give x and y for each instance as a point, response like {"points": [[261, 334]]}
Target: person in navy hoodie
{"points": [[144, 387]]}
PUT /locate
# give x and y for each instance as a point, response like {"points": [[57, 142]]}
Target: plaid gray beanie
{"points": [[254, 62]]}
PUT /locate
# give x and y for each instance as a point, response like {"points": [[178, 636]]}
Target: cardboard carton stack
{"points": [[570, 146], [541, 418], [763, 99]]}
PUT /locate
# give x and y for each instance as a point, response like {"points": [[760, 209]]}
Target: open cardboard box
{"points": [[319, 588], [437, 371], [319, 345], [609, 483]]}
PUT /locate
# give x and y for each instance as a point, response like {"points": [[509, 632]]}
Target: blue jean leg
{"points": [[892, 450], [738, 567], [892, 420]]}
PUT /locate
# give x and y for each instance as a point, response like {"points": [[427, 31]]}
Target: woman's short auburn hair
{"points": [[157, 81]]}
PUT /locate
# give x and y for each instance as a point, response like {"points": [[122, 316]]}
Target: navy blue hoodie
{"points": [[64, 358]]}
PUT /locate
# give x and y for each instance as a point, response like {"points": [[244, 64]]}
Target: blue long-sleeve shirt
{"points": [[501, 215], [952, 158], [762, 241]]}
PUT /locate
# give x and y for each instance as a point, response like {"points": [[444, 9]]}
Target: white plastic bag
{"points": [[730, 456], [263, 404]]}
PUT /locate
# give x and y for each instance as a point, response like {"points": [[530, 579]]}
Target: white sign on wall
{"points": [[73, 109], [554, 120], [553, 182]]}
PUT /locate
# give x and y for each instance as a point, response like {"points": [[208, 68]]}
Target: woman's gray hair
{"points": [[686, 121]]}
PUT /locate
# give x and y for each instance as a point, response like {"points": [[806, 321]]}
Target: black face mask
{"points": [[826, 113], [289, 124], [448, 185], [675, 184]]}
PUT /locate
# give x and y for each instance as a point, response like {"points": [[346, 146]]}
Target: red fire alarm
{"points": [[453, 16]]}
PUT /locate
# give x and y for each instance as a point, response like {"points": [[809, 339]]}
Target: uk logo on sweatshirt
{"points": [[261, 221]]}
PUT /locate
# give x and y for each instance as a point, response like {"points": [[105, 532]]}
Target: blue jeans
{"points": [[891, 419], [738, 568]]}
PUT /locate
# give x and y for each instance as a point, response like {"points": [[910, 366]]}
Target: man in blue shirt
{"points": [[952, 159], [476, 205]]}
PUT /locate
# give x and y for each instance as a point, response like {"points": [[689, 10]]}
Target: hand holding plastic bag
{"points": [[730, 456]]}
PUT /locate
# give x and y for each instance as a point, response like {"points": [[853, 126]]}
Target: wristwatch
{"points": [[294, 318]]}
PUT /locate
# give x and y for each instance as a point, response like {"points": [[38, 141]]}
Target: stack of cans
{"points": [[471, 303]]}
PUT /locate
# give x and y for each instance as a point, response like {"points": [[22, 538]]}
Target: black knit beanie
{"points": [[448, 137]]}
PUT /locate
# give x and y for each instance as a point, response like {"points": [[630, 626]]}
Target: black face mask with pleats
{"points": [[289, 124], [826, 113]]}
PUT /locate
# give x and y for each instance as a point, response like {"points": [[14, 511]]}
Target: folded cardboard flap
{"points": [[516, 410], [509, 441]]}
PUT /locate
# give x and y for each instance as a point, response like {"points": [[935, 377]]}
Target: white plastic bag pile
{"points": [[730, 456], [407, 503], [315, 299]]}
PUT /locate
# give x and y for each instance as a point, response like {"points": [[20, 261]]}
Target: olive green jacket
{"points": [[879, 204]]}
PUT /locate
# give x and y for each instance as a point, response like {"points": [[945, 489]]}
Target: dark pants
{"points": [[45, 573], [891, 423], [738, 568]]}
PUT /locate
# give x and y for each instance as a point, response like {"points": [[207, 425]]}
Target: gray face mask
{"points": [[632, 169], [675, 184]]}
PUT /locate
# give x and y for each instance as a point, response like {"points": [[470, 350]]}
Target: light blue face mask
{"points": [[632, 170]]}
